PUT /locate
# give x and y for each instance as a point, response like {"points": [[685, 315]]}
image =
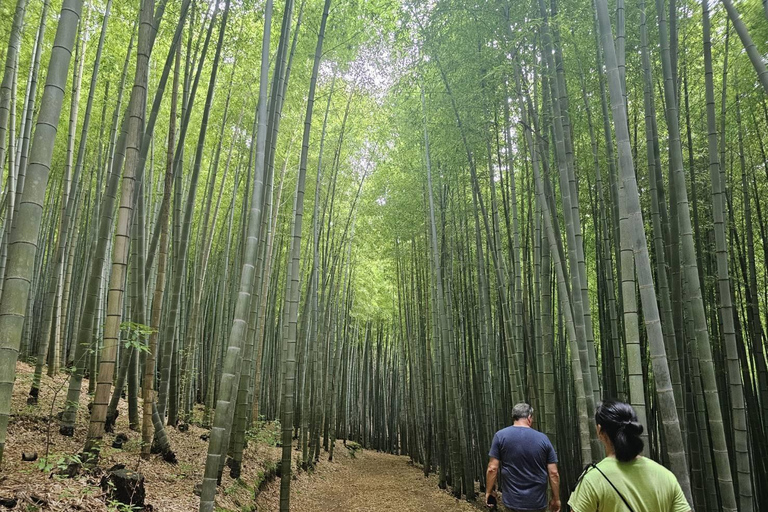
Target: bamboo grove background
{"points": [[389, 222]]}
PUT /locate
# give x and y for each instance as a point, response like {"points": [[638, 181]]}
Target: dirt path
{"points": [[371, 482]]}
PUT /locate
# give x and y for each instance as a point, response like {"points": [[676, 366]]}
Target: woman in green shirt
{"points": [[624, 481]]}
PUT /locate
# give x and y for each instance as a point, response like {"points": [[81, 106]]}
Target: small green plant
{"points": [[56, 461], [185, 469], [116, 506], [44, 464], [89, 491], [65, 494], [352, 448], [265, 432], [237, 485], [69, 459]]}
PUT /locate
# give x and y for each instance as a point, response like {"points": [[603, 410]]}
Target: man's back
{"points": [[524, 454]]}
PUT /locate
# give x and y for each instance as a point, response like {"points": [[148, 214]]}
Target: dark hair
{"points": [[619, 421]]}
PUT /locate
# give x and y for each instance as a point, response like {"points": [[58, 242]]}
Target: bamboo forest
{"points": [[308, 254]]}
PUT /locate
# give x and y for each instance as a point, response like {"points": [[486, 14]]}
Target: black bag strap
{"points": [[593, 465], [614, 487]]}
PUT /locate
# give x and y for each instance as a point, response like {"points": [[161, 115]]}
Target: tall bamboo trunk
{"points": [[665, 395], [23, 241], [292, 300], [122, 234], [691, 275], [90, 324], [725, 306], [231, 368]]}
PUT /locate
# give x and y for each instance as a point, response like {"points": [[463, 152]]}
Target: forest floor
{"points": [[169, 487], [364, 481], [354, 481]]}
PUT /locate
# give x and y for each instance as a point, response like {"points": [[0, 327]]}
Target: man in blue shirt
{"points": [[527, 461]]}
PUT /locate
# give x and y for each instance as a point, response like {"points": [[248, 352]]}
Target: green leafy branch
{"points": [[136, 335]]}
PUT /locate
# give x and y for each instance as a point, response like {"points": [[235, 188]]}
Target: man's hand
{"points": [[491, 495], [554, 505]]}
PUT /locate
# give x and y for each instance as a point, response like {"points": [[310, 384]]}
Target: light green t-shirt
{"points": [[646, 485]]}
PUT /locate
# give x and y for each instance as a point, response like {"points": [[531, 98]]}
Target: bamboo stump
{"points": [[125, 486]]}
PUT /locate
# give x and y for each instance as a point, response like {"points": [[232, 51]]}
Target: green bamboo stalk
{"points": [[23, 241]]}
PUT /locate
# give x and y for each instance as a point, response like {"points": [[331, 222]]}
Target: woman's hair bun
{"points": [[633, 428]]}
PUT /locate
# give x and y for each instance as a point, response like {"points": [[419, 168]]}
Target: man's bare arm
{"points": [[490, 476], [554, 483]]}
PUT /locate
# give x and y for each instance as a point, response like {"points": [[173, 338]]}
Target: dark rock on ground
{"points": [[8, 502], [170, 457]]}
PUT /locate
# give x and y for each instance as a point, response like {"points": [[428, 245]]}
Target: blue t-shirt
{"points": [[524, 454]]}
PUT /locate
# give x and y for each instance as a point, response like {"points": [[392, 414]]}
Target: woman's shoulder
{"points": [[639, 461], [643, 464], [660, 471], [594, 472], [638, 466], [651, 465]]}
